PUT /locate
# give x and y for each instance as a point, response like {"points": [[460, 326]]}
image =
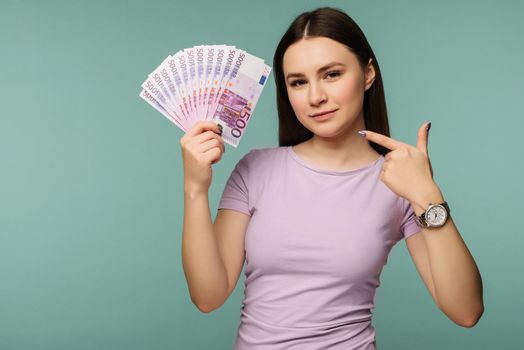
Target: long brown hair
{"points": [[337, 25]]}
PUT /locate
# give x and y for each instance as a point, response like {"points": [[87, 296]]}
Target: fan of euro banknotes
{"points": [[216, 83]]}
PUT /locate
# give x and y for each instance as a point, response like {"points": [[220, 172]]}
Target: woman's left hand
{"points": [[407, 170]]}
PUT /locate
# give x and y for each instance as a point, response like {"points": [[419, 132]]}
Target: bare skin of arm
{"points": [[212, 254]]}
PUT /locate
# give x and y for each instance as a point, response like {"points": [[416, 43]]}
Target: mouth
{"points": [[322, 113]]}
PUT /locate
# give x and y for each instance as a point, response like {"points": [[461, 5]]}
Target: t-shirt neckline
{"points": [[304, 163]]}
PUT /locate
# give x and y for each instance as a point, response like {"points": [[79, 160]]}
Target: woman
{"points": [[316, 218]]}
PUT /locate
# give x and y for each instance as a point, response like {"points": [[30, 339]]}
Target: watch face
{"points": [[436, 216]]}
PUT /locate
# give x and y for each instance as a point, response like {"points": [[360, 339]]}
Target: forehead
{"points": [[312, 53]]}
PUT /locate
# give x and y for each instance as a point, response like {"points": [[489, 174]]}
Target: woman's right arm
{"points": [[208, 253]]}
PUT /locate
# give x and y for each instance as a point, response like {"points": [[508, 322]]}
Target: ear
{"points": [[369, 73]]}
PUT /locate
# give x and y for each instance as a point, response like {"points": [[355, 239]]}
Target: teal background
{"points": [[91, 178]]}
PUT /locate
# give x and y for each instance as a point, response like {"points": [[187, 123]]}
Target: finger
{"points": [[382, 173], [221, 142], [213, 155], [422, 138], [200, 126], [383, 140], [206, 146], [385, 166], [206, 135]]}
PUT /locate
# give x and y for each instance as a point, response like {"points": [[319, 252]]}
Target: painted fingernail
{"points": [[362, 133], [428, 127], [220, 127]]}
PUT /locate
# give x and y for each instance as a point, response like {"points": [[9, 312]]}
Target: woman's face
{"points": [[322, 75]]}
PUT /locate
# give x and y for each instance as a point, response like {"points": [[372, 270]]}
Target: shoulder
{"points": [[267, 151], [259, 166], [264, 156]]}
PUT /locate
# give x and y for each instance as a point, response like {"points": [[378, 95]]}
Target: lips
{"points": [[322, 113]]}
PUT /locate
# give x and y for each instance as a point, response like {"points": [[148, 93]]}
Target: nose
{"points": [[316, 94]]}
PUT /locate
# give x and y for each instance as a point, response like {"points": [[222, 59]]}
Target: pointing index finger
{"points": [[382, 140]]}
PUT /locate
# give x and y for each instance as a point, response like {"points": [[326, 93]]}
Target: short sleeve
{"points": [[236, 190], [408, 224]]}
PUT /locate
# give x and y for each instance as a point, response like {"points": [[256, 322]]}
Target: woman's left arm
{"points": [[455, 278]]}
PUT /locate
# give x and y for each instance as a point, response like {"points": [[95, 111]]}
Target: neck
{"points": [[342, 152]]}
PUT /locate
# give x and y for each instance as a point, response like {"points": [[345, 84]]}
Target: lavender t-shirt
{"points": [[315, 246]]}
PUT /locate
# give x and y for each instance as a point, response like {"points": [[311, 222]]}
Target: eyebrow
{"points": [[320, 70]]}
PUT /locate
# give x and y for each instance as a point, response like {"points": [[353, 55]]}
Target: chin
{"points": [[327, 134], [329, 131]]}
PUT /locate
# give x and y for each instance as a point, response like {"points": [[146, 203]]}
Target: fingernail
{"points": [[220, 128], [362, 133], [428, 127]]}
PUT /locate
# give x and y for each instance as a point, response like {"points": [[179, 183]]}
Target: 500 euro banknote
{"points": [[208, 82], [238, 98]]}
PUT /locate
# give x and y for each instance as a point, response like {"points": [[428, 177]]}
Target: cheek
{"points": [[350, 91], [296, 101]]}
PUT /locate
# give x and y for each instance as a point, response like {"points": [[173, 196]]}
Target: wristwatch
{"points": [[435, 215]]}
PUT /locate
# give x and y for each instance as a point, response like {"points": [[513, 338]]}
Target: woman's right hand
{"points": [[201, 146]]}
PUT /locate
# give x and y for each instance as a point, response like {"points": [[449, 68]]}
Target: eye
{"points": [[333, 74], [296, 83]]}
